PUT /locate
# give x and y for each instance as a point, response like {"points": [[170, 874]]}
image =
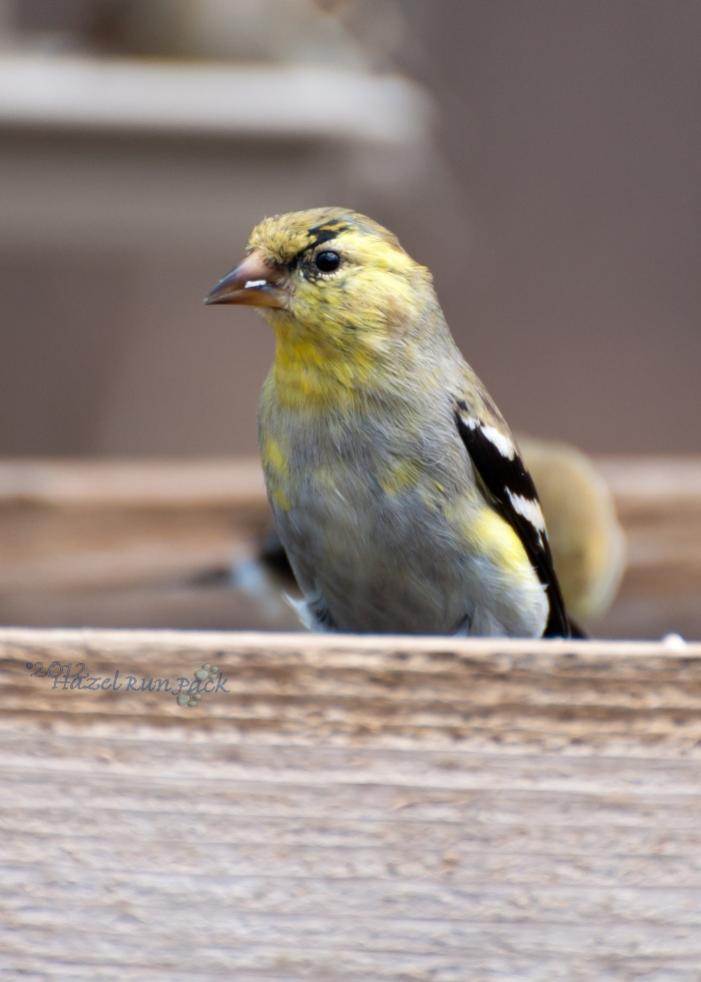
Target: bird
{"points": [[397, 488]]}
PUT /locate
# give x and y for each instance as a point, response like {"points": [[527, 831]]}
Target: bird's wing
{"points": [[509, 488]]}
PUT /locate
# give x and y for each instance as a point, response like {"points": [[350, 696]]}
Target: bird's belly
{"points": [[373, 561], [376, 564]]}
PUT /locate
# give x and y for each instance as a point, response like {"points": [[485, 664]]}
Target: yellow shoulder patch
{"points": [[493, 535]]}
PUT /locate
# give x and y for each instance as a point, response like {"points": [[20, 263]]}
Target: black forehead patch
{"points": [[318, 234], [324, 233]]}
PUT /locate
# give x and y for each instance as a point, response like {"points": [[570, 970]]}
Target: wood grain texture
{"points": [[351, 808]]}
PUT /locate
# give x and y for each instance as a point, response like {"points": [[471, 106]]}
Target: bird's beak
{"points": [[253, 282]]}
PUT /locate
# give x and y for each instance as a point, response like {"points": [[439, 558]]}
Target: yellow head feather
{"points": [[338, 325]]}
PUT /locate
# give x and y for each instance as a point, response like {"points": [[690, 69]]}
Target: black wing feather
{"points": [[501, 474]]}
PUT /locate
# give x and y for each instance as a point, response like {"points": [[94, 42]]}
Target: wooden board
{"points": [[350, 809]]}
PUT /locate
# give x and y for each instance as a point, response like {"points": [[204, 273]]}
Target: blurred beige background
{"points": [[542, 158]]}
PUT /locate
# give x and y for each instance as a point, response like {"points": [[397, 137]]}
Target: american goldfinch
{"points": [[396, 487]]}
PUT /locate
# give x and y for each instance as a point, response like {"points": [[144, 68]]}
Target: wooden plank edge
{"points": [[205, 642]]}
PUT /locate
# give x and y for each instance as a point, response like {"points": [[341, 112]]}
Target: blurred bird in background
{"points": [[397, 489], [586, 538]]}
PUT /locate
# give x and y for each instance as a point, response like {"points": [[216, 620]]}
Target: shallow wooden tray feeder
{"points": [[351, 808]]}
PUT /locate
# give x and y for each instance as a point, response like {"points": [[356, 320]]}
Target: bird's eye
{"points": [[327, 261]]}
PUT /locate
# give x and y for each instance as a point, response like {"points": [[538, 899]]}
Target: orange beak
{"points": [[253, 282]]}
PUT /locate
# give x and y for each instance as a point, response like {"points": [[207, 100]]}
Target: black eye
{"points": [[327, 261]]}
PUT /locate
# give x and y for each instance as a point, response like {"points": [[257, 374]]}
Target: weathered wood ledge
{"points": [[351, 809], [317, 686]]}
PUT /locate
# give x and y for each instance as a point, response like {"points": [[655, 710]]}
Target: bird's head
{"points": [[327, 274]]}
